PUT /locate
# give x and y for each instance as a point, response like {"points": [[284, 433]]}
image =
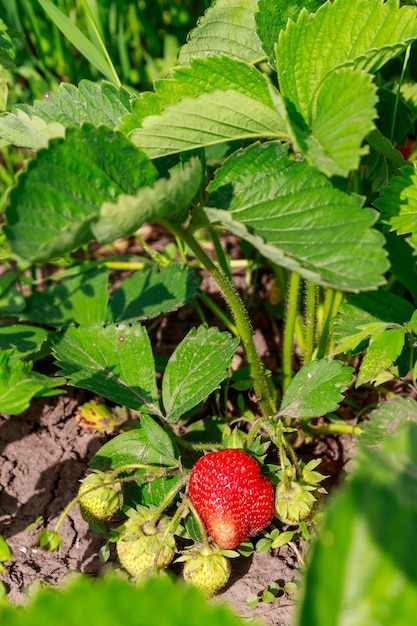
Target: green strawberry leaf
{"points": [[403, 263], [147, 445], [228, 27], [398, 205], [5, 552], [284, 208], [28, 131], [364, 314], [362, 568], [203, 76], [316, 389], [25, 340], [385, 420], [373, 33], [81, 298], [114, 361], [214, 100], [342, 116], [65, 186], [195, 369], [12, 302], [272, 18], [150, 292], [169, 199], [158, 439], [7, 53], [384, 349], [19, 384], [114, 601], [32, 126], [135, 447], [384, 147]]}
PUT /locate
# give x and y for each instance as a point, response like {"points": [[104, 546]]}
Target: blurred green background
{"points": [[142, 38]]}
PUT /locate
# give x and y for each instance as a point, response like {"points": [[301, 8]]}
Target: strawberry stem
{"points": [[282, 457], [200, 524], [167, 499], [260, 382], [133, 466], [291, 314]]}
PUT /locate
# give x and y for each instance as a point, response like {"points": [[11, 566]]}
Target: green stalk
{"points": [[243, 326], [397, 97], [219, 313], [220, 252], [291, 315], [310, 322], [332, 301], [167, 500], [200, 524], [281, 450], [101, 43], [331, 429]]}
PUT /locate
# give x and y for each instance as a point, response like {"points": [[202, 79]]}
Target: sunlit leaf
{"points": [[64, 187], [32, 126], [294, 216], [168, 199], [398, 205], [316, 389], [115, 361], [227, 27], [363, 314], [197, 367], [368, 35], [150, 292], [212, 101], [384, 348]]}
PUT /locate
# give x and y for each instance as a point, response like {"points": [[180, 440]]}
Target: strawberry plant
{"points": [[273, 129]]}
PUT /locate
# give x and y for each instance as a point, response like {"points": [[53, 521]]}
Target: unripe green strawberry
{"points": [[145, 546], [293, 504], [102, 501], [207, 570]]}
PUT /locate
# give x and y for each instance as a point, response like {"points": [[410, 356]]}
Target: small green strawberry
{"points": [[294, 503], [144, 545], [206, 569], [102, 501]]}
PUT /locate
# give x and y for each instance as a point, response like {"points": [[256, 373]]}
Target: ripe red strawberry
{"points": [[232, 498]]}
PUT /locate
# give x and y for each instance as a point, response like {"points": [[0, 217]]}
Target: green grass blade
{"points": [[80, 41]]}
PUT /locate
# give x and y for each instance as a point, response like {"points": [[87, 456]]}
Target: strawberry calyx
{"points": [[145, 545], [294, 499]]}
